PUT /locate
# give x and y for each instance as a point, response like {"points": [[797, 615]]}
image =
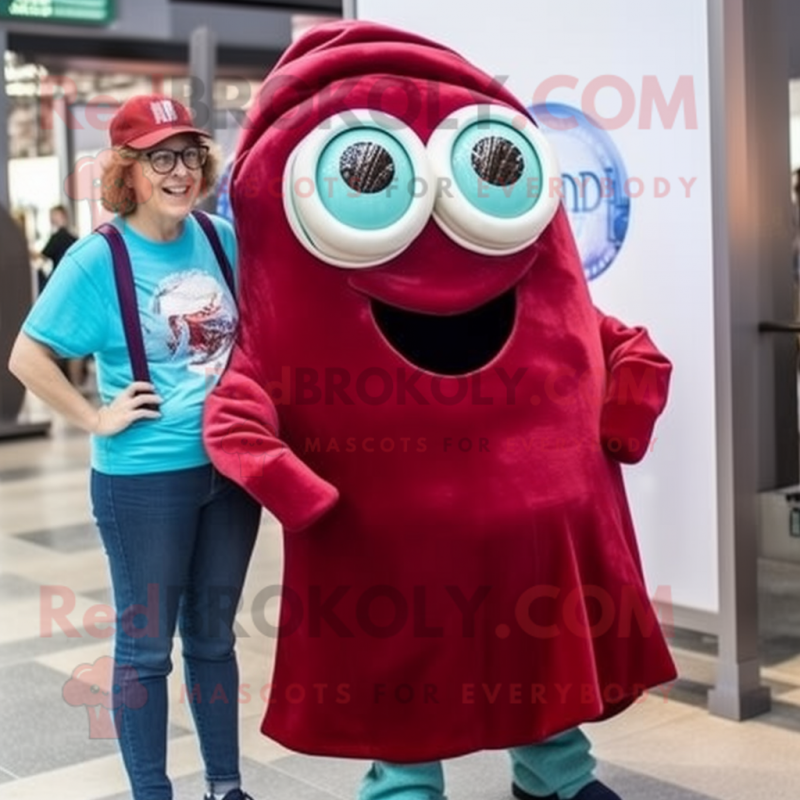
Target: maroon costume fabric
{"points": [[461, 571]]}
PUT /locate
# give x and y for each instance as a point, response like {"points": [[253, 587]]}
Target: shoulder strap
{"points": [[126, 292], [216, 245]]}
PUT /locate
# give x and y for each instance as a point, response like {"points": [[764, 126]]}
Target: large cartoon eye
{"points": [[493, 170], [357, 189]]}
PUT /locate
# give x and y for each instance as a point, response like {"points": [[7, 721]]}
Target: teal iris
{"points": [[497, 169], [365, 178]]}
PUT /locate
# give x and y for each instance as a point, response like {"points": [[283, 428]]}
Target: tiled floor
{"points": [[664, 748]]}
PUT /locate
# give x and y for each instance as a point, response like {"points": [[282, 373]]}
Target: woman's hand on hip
{"points": [[130, 405]]}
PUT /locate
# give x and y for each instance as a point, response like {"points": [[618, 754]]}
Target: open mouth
{"points": [[449, 345]]}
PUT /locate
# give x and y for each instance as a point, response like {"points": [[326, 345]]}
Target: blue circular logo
{"points": [[594, 183]]}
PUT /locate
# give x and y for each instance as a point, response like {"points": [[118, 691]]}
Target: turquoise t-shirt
{"points": [[188, 319]]}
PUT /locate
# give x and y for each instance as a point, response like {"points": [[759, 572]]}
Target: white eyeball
{"points": [[358, 190], [493, 168]]}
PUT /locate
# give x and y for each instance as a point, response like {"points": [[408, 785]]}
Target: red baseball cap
{"points": [[147, 119]]}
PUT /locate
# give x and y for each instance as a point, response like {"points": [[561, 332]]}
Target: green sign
{"points": [[71, 12]]}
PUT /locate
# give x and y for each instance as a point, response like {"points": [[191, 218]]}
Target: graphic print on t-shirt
{"points": [[193, 319]]}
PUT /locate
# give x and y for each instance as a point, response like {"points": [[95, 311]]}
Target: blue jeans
{"points": [[561, 765], [178, 545]]}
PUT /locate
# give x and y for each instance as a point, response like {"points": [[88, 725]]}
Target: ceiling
{"points": [[305, 6]]}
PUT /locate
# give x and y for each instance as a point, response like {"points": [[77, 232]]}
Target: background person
{"points": [[61, 239]]}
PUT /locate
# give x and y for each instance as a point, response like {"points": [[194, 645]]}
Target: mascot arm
{"points": [[240, 431], [636, 389]]}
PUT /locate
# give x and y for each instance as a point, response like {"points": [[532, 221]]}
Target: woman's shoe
{"points": [[233, 794]]}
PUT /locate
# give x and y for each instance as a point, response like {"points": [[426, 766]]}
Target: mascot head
{"points": [[389, 190]]}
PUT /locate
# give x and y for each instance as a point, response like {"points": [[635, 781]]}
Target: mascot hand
{"points": [[240, 432], [636, 392]]}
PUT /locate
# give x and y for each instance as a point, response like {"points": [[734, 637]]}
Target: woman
{"points": [[178, 535]]}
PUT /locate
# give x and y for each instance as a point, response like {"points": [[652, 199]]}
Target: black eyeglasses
{"points": [[163, 161]]}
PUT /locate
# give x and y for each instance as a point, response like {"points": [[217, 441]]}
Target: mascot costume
{"points": [[425, 397]]}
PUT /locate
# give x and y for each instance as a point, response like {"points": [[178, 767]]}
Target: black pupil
{"points": [[366, 167], [497, 161]]}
